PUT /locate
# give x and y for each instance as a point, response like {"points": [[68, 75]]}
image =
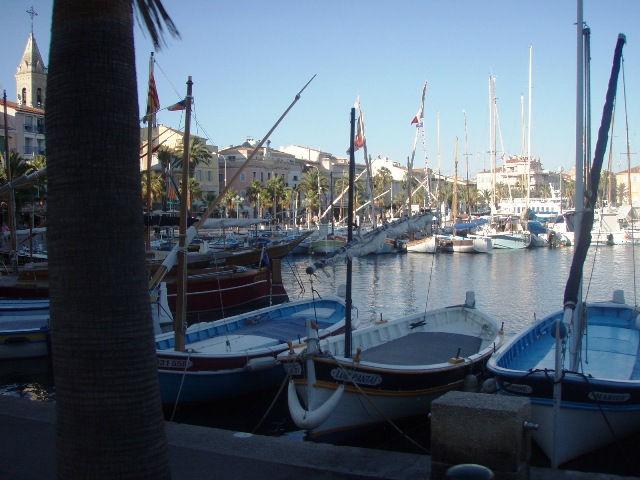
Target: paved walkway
{"points": [[27, 439]]}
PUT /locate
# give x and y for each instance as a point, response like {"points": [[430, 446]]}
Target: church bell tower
{"points": [[31, 77]]}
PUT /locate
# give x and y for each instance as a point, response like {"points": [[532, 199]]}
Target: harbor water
{"points": [[516, 286]]}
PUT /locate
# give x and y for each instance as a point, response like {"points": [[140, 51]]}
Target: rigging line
{"points": [[179, 95], [184, 374], [433, 256], [264, 417], [177, 92], [626, 122], [373, 404]]}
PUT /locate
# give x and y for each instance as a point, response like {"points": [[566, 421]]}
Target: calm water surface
{"points": [[515, 286]]}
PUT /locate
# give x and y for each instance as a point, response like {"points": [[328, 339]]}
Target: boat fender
{"points": [[560, 326], [638, 322], [470, 384], [309, 420], [260, 364], [489, 386]]}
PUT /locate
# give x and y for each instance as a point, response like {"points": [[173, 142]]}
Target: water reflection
{"points": [[515, 286]]}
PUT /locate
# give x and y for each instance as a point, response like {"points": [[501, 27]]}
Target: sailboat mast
{"points": [[11, 200], [529, 132], [579, 205], [439, 177], [455, 186], [151, 120], [181, 290], [466, 156], [492, 142], [350, 215]]}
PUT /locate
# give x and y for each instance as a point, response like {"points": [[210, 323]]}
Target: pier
{"points": [[27, 433]]}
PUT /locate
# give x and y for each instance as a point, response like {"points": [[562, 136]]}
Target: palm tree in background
{"points": [[314, 184], [19, 167], [199, 154], [157, 186], [275, 193], [380, 181], [166, 158], [109, 420], [253, 193]]}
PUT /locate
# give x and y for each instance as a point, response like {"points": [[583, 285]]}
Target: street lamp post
{"points": [[238, 200]]}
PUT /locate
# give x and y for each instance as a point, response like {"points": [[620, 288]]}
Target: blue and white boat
{"points": [[237, 355], [579, 366], [24, 329]]}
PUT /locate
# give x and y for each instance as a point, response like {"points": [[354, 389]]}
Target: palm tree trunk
{"points": [[109, 416]]}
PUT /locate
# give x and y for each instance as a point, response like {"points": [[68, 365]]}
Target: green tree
{"points": [[275, 193], [253, 194], [228, 199], [195, 190], [314, 184], [19, 167], [157, 186], [381, 179], [199, 155], [485, 198], [109, 420]]}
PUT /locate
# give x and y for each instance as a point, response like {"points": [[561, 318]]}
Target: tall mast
{"points": [[151, 120], [181, 290], [455, 186], [492, 144], [529, 132], [466, 156], [439, 178]]}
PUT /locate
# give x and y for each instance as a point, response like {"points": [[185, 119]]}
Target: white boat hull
{"points": [[397, 368], [580, 430], [424, 245], [607, 387]]}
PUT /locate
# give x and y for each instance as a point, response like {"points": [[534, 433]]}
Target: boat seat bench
{"points": [[422, 348]]}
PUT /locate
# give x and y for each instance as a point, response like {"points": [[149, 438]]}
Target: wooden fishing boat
{"points": [[580, 366], [217, 292], [237, 355], [24, 329], [397, 368], [428, 244]]}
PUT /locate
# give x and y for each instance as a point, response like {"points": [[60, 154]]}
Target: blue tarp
{"points": [[537, 228], [475, 223]]}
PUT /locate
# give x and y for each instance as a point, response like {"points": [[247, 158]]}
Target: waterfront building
{"points": [[25, 118], [171, 138], [623, 180], [514, 174]]}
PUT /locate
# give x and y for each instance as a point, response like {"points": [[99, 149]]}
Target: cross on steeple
{"points": [[32, 13]]}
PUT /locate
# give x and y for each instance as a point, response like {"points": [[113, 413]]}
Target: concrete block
{"points": [[482, 429]]}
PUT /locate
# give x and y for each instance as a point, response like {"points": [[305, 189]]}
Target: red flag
{"points": [[419, 115], [358, 141], [153, 102]]}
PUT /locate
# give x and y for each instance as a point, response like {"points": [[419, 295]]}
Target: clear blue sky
{"points": [[248, 58]]}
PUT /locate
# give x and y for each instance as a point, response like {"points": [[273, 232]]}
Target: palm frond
{"points": [[155, 17]]}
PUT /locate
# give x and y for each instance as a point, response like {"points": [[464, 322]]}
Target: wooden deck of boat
{"points": [[422, 348]]}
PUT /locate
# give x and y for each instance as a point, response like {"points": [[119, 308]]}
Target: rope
{"points": [[184, 374], [273, 403], [387, 419]]}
